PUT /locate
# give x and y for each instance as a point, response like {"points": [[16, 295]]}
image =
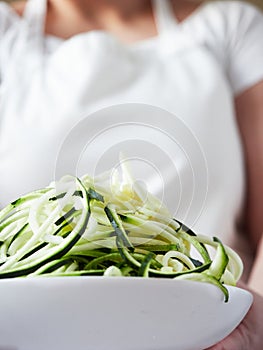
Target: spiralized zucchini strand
{"points": [[99, 227]]}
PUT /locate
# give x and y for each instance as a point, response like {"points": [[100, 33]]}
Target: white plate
{"points": [[100, 313]]}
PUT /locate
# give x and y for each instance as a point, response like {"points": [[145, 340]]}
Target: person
{"points": [[61, 60]]}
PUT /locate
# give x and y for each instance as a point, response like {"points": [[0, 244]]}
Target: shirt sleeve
{"points": [[244, 46]]}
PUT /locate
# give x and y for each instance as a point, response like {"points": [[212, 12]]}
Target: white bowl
{"points": [[112, 313]]}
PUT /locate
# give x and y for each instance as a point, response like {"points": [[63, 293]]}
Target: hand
{"points": [[249, 334]]}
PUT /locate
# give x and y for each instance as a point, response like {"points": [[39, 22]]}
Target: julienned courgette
{"points": [[212, 270], [90, 228], [55, 253]]}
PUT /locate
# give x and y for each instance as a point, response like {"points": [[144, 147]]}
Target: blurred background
{"points": [[256, 2]]}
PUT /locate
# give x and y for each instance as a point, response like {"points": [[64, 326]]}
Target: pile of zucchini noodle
{"points": [[106, 226]]}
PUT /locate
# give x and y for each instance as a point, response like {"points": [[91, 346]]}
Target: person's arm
{"points": [[249, 108], [256, 275]]}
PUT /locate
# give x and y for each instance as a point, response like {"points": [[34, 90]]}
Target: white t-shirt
{"points": [[182, 139], [231, 30]]}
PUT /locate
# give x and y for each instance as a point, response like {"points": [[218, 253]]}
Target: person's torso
{"points": [[191, 157]]}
